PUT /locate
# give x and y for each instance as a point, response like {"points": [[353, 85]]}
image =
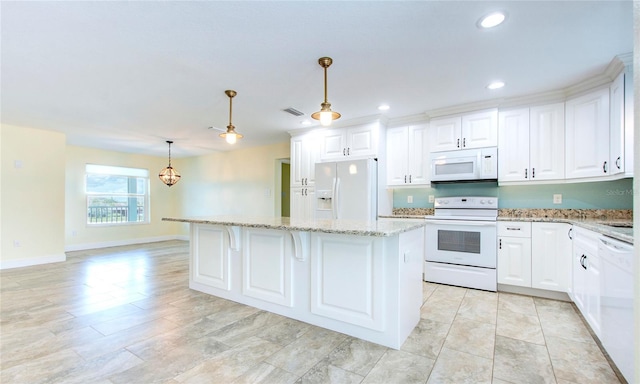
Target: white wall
{"points": [[32, 197], [163, 201], [240, 182]]}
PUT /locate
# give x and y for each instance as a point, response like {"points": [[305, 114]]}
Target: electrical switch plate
{"points": [[16, 243], [432, 198], [410, 199], [557, 199]]}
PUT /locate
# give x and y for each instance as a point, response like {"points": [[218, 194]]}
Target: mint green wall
{"points": [[597, 195]]}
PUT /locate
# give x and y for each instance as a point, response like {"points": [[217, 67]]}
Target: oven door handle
{"points": [[463, 222]]}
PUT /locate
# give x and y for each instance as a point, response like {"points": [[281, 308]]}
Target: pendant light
{"points": [[325, 115], [169, 175], [231, 135]]}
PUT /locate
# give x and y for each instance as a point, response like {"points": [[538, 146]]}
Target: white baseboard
{"points": [[117, 243], [18, 263]]}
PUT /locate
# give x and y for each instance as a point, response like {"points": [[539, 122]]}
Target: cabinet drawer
{"points": [[514, 229]]}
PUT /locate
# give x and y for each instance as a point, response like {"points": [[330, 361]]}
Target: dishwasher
{"points": [[616, 303]]}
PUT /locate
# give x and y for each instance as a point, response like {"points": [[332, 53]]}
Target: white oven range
{"points": [[461, 240]]}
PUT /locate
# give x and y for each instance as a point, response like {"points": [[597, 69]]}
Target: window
{"points": [[117, 195]]}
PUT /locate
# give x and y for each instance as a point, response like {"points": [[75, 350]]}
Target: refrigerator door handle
{"points": [[336, 197]]}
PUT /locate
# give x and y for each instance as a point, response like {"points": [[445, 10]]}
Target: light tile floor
{"points": [[126, 315]]}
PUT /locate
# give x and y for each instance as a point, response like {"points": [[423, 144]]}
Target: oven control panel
{"points": [[466, 202]]}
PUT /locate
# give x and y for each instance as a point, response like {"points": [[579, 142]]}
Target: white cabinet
{"points": [[407, 155], [358, 141], [587, 135], [210, 256], [586, 276], [473, 130], [617, 126], [550, 256], [266, 265], [531, 143], [514, 253], [305, 153], [303, 203], [534, 255]]}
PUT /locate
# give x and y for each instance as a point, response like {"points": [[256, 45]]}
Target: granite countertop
{"points": [[620, 229], [381, 228]]}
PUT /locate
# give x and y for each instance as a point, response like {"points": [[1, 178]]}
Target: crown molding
{"points": [[408, 120]]}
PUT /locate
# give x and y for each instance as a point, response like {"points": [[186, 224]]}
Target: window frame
{"points": [[117, 171]]}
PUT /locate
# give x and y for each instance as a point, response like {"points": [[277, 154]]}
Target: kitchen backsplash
{"points": [[616, 195]]}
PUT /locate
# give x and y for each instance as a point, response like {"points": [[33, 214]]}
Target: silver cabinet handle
{"points": [[513, 229]]}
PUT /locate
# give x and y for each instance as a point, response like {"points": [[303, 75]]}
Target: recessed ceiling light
{"points": [[495, 85], [491, 20], [383, 107], [305, 122]]}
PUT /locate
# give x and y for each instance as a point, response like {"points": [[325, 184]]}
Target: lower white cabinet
{"points": [[551, 261], [586, 276], [303, 203], [210, 264], [266, 265], [347, 279], [534, 255], [514, 253]]}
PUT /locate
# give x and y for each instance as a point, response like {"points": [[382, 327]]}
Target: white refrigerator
{"points": [[347, 190]]}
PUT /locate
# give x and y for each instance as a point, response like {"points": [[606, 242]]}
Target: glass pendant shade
{"points": [[168, 175]]}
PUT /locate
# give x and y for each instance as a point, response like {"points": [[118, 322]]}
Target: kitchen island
{"points": [[360, 278]]}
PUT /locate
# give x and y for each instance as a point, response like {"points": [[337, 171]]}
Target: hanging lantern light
{"points": [[169, 175], [231, 135]]}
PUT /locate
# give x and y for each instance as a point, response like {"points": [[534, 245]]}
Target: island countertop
{"points": [[380, 228]]}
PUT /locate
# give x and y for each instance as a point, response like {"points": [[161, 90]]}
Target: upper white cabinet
{"points": [[531, 143], [473, 130], [587, 135], [305, 153], [617, 126], [407, 155], [358, 141]]}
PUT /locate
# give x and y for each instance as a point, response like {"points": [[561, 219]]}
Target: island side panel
{"points": [[410, 266], [348, 279], [210, 257]]}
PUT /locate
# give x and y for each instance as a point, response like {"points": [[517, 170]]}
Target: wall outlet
{"points": [[267, 192], [557, 199], [410, 199], [16, 243], [74, 233], [432, 198]]}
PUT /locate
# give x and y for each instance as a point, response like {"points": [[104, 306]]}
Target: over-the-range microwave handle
{"points": [[454, 160], [464, 222]]}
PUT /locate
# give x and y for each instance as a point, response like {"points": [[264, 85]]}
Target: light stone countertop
{"points": [[621, 231], [380, 228]]}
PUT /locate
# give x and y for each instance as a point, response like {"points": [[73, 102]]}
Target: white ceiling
{"points": [[126, 76]]}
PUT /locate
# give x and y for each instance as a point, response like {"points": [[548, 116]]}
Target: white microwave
{"points": [[480, 164]]}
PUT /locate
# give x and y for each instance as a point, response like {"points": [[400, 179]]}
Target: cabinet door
{"points": [[397, 161], [546, 136], [587, 135], [480, 129], [298, 161], [210, 259], [617, 128], [334, 144], [550, 256], [347, 279], [514, 261], [302, 203], [362, 141], [266, 265], [592, 261], [418, 161], [579, 278], [513, 145], [444, 134]]}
